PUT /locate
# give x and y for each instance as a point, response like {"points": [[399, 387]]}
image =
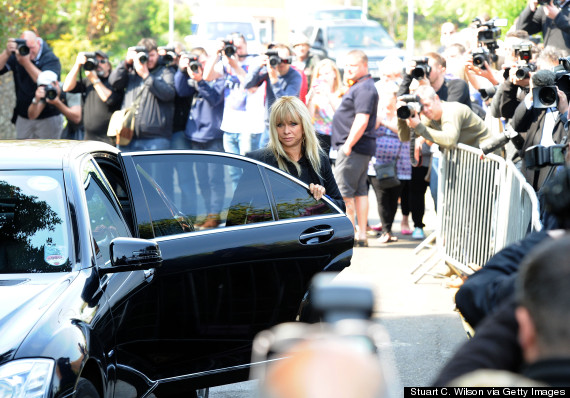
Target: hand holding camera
{"points": [[47, 93], [190, 63]]}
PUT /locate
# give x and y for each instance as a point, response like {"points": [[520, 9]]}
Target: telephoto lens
{"points": [[51, 92]]}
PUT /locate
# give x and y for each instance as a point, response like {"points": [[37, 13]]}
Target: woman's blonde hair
{"points": [[317, 71], [286, 109]]}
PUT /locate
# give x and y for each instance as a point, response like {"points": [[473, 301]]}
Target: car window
{"points": [[186, 192], [222, 29], [34, 228], [104, 212], [294, 200], [359, 36]]}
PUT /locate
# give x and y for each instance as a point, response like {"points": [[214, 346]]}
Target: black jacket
{"points": [[555, 32], [156, 110], [26, 86], [529, 124], [308, 175]]}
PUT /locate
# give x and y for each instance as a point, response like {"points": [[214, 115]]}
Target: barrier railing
{"points": [[483, 205]]}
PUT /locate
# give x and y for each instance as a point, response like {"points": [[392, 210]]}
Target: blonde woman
{"points": [[294, 148], [323, 98]]}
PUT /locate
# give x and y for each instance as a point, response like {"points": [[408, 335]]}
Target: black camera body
{"points": [[91, 62], [142, 53], [544, 97], [500, 140], [229, 48], [523, 71], [523, 51], [547, 2], [538, 156], [193, 64], [488, 92], [274, 58], [412, 107], [23, 48], [422, 68], [169, 54], [480, 56], [51, 92]]}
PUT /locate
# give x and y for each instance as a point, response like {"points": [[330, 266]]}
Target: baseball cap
{"points": [[46, 77], [299, 38], [102, 54]]}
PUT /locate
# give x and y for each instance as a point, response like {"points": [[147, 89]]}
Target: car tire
{"points": [[85, 389]]}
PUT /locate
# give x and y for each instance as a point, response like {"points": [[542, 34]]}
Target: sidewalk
{"points": [[425, 329]]}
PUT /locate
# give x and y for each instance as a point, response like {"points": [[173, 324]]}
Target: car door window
{"points": [[105, 216], [189, 192], [294, 200]]}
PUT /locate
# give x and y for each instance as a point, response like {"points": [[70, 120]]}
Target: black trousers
{"points": [[387, 203], [413, 196]]}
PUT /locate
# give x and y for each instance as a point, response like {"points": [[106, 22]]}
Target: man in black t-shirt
{"points": [[352, 136], [99, 98]]}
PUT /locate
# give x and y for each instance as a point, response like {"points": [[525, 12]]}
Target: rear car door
{"points": [[240, 243]]}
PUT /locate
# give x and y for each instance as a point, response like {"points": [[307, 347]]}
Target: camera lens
{"points": [[51, 93], [142, 58], [90, 64], [23, 50], [229, 50], [418, 73], [478, 60], [194, 67], [547, 95], [522, 73], [403, 112]]}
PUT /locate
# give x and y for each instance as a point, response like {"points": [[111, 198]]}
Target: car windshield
{"points": [[220, 30], [33, 222], [338, 14], [359, 36]]}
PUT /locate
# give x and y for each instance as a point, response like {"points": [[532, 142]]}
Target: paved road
{"points": [[424, 329]]}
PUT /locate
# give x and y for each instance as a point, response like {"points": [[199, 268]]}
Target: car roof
{"points": [[45, 154], [344, 22]]}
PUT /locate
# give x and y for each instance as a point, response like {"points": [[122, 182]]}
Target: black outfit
{"points": [[362, 97], [494, 346], [529, 124], [555, 32], [487, 288], [555, 372], [26, 86], [96, 113], [413, 195], [452, 90], [387, 199], [154, 117], [308, 175]]}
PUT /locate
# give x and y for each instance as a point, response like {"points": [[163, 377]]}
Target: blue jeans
{"points": [[264, 138], [211, 177], [146, 144], [433, 179]]}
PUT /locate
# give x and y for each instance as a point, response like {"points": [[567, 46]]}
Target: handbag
{"points": [[387, 173], [122, 123]]}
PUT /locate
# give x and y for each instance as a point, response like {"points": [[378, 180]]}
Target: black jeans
{"points": [[387, 203], [413, 196]]}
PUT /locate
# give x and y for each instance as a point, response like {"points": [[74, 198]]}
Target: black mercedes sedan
{"points": [[149, 273]]}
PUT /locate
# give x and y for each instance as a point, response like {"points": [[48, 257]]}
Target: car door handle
{"points": [[149, 275], [311, 238]]}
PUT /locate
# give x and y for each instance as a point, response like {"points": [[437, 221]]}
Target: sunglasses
{"points": [[103, 61]]}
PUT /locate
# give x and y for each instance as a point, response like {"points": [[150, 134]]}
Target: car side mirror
{"points": [[132, 254]]}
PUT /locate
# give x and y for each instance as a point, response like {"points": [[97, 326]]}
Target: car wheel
{"points": [[85, 389]]}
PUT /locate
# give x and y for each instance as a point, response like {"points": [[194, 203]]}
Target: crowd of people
{"points": [[299, 113]]}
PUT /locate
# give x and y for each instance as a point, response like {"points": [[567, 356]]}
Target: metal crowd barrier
{"points": [[483, 205]]}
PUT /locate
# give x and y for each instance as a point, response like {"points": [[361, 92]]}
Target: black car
{"points": [[112, 285]]}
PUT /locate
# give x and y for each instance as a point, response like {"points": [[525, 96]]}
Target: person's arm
{"points": [[214, 95], [71, 78], [255, 76], [38, 104], [183, 89], [331, 187], [405, 84], [356, 131], [494, 346], [403, 130], [290, 87], [11, 47], [119, 77], [523, 117], [161, 87], [530, 20], [448, 136], [562, 20]]}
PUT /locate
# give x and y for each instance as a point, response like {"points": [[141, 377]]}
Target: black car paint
{"points": [[185, 325]]}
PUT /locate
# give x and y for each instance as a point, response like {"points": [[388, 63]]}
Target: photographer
{"points": [[444, 123], [203, 129], [26, 57], [552, 20], [141, 74], [431, 71], [541, 123], [274, 69], [49, 96], [99, 98]]}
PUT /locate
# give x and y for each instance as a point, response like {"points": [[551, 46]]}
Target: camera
{"points": [[194, 64], [523, 71], [274, 58], [500, 140], [169, 54], [142, 54], [422, 68], [480, 56], [488, 92], [229, 48], [523, 51], [492, 33], [547, 2], [91, 62], [538, 156], [51, 92], [545, 96], [413, 106], [23, 48]]}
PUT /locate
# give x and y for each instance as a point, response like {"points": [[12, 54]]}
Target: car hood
{"points": [[24, 298]]}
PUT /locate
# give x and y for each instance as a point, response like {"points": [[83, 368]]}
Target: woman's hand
{"points": [[318, 191]]}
